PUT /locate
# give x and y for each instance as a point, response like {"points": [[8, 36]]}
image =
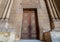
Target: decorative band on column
{"points": [[6, 9], [56, 9], [53, 9]]}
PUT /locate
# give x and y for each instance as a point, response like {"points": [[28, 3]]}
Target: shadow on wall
{"points": [[58, 4]]}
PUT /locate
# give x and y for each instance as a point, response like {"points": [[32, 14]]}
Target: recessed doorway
{"points": [[30, 27]]}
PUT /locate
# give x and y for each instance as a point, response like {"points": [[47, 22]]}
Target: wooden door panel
{"points": [[29, 25]]}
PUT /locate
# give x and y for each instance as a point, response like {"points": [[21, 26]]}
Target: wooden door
{"points": [[29, 25]]}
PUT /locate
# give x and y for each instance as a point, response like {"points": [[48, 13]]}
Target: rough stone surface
{"points": [[16, 15]]}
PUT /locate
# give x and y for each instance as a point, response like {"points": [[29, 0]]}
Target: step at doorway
{"points": [[30, 41]]}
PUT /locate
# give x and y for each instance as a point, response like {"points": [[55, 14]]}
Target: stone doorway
{"points": [[30, 27]]}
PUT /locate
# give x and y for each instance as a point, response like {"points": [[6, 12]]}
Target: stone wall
{"points": [[15, 19], [16, 15]]}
